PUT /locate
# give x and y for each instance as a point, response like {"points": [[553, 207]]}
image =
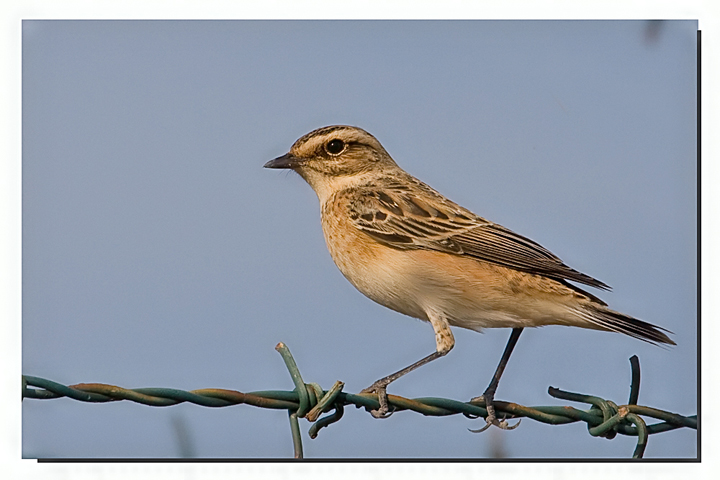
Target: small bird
{"points": [[407, 247]]}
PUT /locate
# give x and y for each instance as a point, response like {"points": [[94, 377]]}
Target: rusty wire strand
{"points": [[309, 400]]}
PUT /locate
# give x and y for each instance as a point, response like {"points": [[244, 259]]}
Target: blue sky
{"points": [[158, 252]]}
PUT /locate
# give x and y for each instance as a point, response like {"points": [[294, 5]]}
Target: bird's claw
{"points": [[491, 420], [381, 390], [480, 430], [501, 424]]}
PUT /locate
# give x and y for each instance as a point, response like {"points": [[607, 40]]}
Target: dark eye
{"points": [[335, 147]]}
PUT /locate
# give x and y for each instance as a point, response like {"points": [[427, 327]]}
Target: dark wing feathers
{"points": [[420, 218]]}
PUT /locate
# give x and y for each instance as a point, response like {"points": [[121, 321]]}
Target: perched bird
{"points": [[409, 248]]}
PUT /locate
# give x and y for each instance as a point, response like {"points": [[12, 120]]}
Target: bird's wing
{"points": [[414, 216]]}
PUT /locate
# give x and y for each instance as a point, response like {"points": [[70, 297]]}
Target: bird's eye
{"points": [[335, 147]]}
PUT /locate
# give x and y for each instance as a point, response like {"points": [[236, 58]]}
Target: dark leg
{"points": [[489, 394], [444, 341], [380, 387]]}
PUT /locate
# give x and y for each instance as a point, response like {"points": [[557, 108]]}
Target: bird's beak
{"points": [[286, 161]]}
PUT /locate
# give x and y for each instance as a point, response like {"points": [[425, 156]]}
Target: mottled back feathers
{"points": [[420, 218]]}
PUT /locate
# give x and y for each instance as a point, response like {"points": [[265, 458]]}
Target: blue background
{"points": [[158, 252]]}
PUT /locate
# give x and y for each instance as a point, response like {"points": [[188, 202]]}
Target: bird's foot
{"points": [[380, 388], [491, 418]]}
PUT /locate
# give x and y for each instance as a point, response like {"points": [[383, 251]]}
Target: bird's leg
{"points": [[444, 340], [489, 394], [380, 386]]}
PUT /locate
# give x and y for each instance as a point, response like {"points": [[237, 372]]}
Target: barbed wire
{"points": [[308, 400]]}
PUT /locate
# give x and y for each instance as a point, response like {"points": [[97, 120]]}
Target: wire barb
{"points": [[309, 401]]}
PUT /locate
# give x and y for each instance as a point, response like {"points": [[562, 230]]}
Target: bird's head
{"points": [[332, 157]]}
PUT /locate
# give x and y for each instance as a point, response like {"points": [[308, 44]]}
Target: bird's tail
{"points": [[603, 318]]}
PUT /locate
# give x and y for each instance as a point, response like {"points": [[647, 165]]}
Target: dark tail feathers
{"points": [[607, 319]]}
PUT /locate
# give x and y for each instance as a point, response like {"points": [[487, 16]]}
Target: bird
{"points": [[409, 248]]}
